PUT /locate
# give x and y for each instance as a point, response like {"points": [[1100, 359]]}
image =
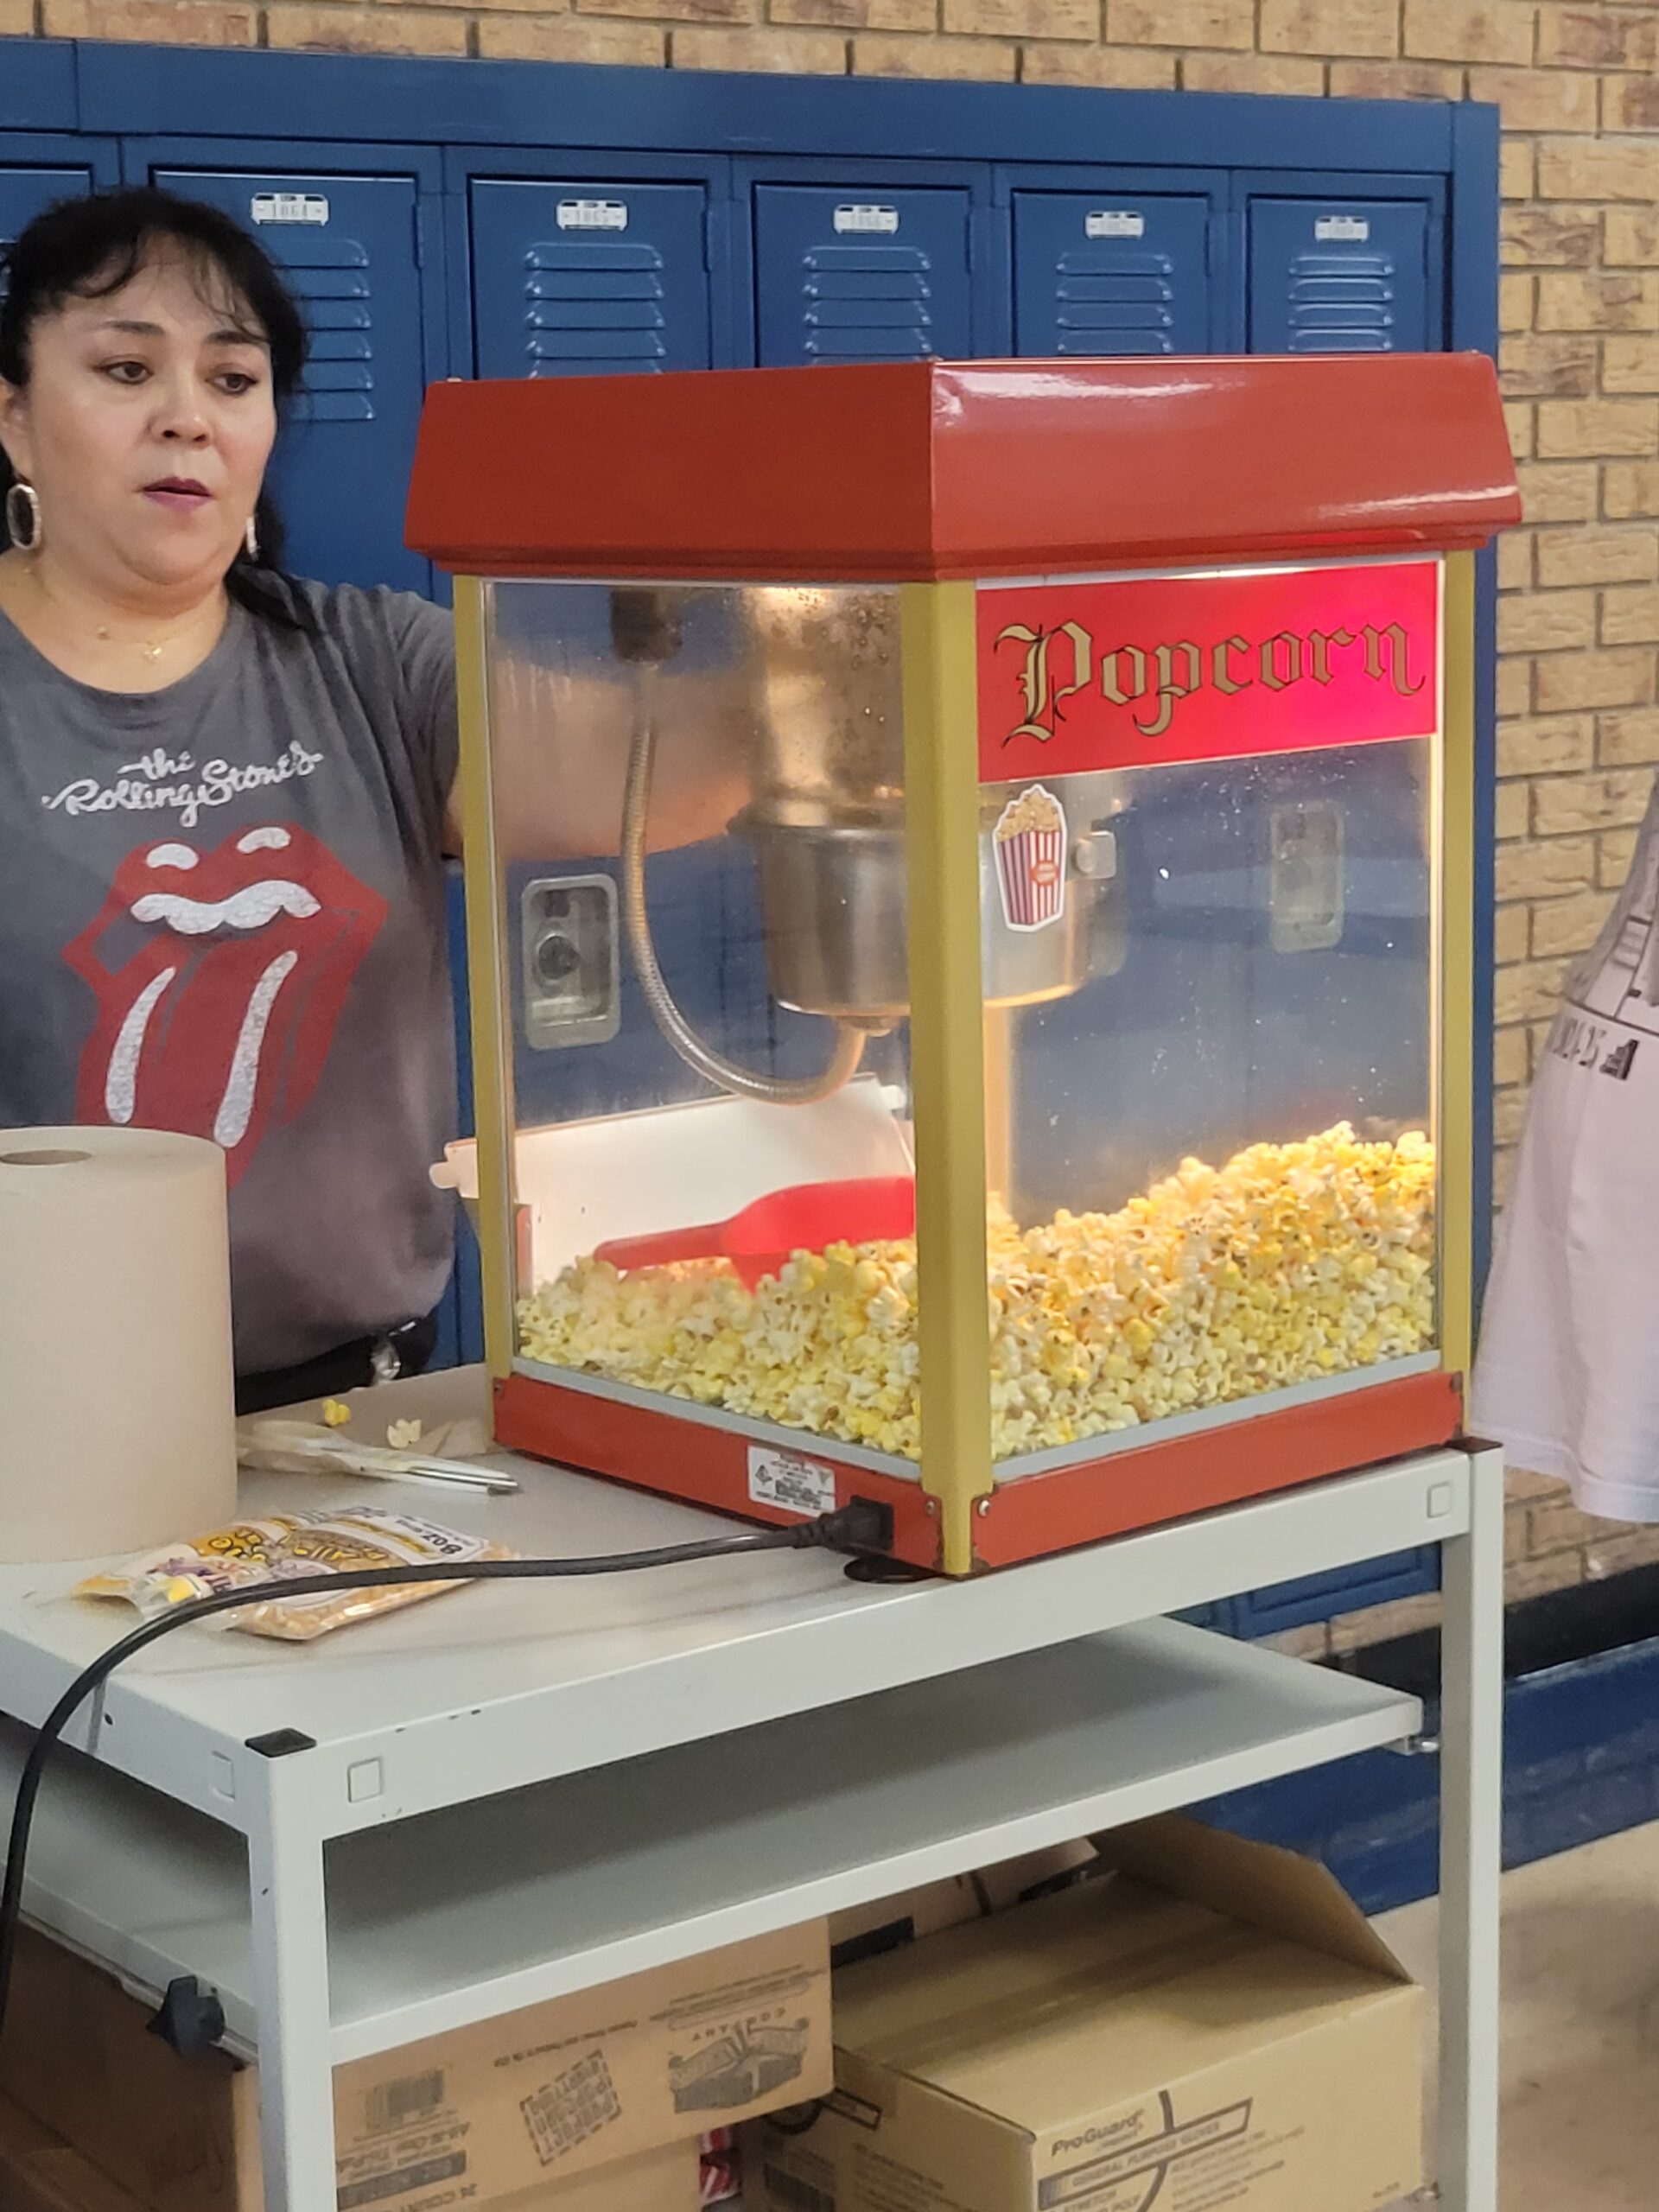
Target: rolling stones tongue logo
{"points": [[219, 978]]}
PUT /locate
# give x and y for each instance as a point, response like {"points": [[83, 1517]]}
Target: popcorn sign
{"points": [[1089, 675]]}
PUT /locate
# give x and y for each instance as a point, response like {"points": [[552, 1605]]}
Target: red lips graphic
{"points": [[238, 962]]}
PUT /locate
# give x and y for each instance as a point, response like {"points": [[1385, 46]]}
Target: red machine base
{"points": [[1130, 1489]]}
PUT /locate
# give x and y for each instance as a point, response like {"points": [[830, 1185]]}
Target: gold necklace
{"points": [[151, 648]]}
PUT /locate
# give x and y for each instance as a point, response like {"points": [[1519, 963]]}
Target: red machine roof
{"points": [[923, 470]]}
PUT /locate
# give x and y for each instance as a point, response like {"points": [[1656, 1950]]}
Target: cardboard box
{"points": [[1214, 2025], [497, 2111], [662, 2181], [40, 2173], [868, 1929]]}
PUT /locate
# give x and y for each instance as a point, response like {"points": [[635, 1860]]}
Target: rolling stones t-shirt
{"points": [[222, 911], [1568, 1378]]}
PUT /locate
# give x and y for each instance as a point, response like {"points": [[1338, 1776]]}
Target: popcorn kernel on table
{"points": [[1292, 1262]]}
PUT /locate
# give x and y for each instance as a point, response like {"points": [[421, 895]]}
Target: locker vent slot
{"points": [[329, 277], [1115, 302], [1342, 302], [594, 306], [868, 302]]}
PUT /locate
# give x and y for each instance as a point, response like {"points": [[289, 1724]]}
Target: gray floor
{"points": [[1581, 2053]]}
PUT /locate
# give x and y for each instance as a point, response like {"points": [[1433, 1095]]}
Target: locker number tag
{"points": [[289, 207], [593, 215], [883, 222], [1341, 229], [1113, 222]]}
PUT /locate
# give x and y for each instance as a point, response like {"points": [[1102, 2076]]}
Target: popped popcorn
{"points": [[1292, 1262], [1034, 809]]}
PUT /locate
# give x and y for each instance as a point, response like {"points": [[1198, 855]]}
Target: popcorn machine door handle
{"points": [[864, 1210]]}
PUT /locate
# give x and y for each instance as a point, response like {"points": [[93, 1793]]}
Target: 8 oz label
{"points": [[784, 1480]]}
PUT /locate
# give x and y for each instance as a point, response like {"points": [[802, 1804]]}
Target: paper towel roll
{"points": [[117, 1421]]}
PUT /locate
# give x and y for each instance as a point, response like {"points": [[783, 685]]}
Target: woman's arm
{"points": [[559, 757]]}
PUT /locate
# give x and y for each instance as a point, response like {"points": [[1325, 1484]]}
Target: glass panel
{"points": [[1213, 1152], [699, 797]]}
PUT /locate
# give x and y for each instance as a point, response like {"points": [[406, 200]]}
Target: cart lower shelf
{"points": [[462, 1915]]}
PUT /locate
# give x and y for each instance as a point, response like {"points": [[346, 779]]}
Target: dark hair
{"points": [[88, 249]]}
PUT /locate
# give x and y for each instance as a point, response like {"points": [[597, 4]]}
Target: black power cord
{"points": [[859, 1527]]}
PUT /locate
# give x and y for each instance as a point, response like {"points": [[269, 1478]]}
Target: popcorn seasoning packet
{"points": [[284, 1548]]}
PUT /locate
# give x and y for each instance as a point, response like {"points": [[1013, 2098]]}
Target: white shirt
{"points": [[1568, 1378]]}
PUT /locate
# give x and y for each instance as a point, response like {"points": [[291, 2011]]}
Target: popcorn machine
{"points": [[1049, 1111]]}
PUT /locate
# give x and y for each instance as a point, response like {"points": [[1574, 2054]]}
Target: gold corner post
{"points": [[947, 1053], [1455, 1110], [485, 971]]}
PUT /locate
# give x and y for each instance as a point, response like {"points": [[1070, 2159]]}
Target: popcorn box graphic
{"points": [[1029, 842]]}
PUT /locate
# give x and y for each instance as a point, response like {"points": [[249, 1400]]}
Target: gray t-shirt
{"points": [[222, 911]]}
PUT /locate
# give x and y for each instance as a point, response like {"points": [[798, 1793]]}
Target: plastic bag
{"points": [[283, 1547], [280, 1445]]}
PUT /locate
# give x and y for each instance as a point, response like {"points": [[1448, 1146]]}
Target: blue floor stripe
{"points": [[1582, 1761]]}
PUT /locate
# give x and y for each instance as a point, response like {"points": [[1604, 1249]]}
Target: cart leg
{"points": [[1471, 1819], [291, 1980]]}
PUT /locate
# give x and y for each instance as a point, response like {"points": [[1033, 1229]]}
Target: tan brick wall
{"points": [[1549, 1545], [1578, 615]]}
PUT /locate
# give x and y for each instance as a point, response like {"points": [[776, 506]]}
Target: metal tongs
{"points": [[292, 1448]]}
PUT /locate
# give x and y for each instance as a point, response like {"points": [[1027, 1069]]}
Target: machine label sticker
{"points": [[1077, 678], [289, 207], [792, 1484], [220, 977], [1030, 845]]}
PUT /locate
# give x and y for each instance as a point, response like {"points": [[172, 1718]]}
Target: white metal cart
{"points": [[712, 1752]]}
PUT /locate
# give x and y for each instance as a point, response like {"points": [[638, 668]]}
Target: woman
{"points": [[223, 794]]}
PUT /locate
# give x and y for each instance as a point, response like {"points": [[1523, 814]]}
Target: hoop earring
{"points": [[251, 539], [23, 505]]}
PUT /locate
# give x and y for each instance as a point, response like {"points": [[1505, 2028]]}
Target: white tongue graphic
{"points": [[250, 908], [236, 1107], [121, 1083]]}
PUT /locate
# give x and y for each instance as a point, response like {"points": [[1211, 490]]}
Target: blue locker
{"points": [[589, 279], [1342, 1589], [1108, 272], [25, 192], [860, 273], [349, 245], [1341, 277]]}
